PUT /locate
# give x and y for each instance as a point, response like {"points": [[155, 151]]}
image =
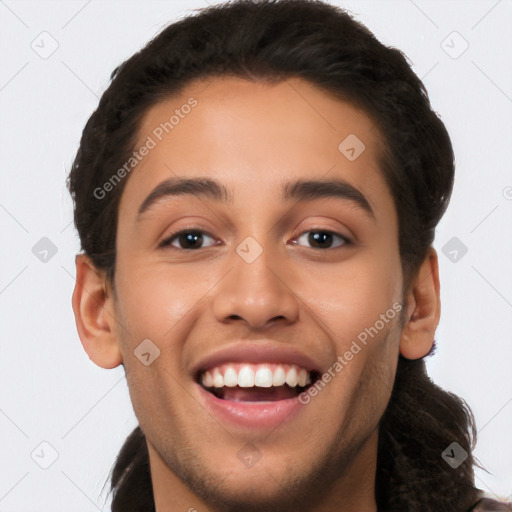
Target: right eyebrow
{"points": [[207, 187]]}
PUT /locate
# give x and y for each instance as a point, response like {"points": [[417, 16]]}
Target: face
{"points": [[252, 271]]}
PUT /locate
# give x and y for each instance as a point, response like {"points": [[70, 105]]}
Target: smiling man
{"points": [[256, 197]]}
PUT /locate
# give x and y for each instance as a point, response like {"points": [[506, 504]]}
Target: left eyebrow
{"points": [[314, 189], [302, 190]]}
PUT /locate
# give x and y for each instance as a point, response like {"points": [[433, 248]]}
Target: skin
{"points": [[254, 138]]}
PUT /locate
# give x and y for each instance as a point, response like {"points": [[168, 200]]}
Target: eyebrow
{"points": [[301, 190], [304, 190]]}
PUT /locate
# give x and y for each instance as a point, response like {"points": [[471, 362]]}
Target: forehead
{"points": [[255, 136]]}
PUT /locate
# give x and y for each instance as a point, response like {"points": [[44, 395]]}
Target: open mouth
{"points": [[241, 382]]}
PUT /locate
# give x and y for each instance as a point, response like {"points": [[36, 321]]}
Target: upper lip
{"points": [[261, 351]]}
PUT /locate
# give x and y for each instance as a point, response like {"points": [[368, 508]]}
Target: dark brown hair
{"points": [[274, 40]]}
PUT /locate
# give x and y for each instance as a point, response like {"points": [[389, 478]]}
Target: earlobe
{"points": [[423, 310], [94, 316]]}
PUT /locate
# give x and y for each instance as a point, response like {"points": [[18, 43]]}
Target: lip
{"points": [[259, 351], [252, 415]]}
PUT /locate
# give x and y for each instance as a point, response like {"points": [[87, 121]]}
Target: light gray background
{"points": [[51, 392]]}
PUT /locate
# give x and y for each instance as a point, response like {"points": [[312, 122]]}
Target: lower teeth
{"points": [[256, 394]]}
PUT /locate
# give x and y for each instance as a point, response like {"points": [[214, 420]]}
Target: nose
{"points": [[258, 293]]}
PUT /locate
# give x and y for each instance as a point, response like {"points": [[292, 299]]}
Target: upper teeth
{"points": [[251, 375]]}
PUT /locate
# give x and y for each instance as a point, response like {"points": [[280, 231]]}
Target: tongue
{"points": [[257, 394]]}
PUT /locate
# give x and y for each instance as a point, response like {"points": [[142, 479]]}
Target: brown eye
{"points": [[322, 239], [191, 239]]}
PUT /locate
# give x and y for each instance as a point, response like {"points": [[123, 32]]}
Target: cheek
{"points": [[374, 384], [156, 301], [352, 298], [359, 306], [162, 306], [368, 377]]}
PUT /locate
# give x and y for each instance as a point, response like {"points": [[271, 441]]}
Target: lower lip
{"points": [[251, 414]]}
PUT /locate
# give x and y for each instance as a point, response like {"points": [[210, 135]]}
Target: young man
{"points": [[256, 197]]}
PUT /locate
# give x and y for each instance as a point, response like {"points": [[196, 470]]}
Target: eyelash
{"points": [[168, 241]]}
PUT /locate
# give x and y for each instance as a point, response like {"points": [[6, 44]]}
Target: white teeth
{"points": [[279, 377], [218, 379], [291, 377], [302, 377], [263, 377], [246, 377], [260, 375], [207, 380], [230, 377]]}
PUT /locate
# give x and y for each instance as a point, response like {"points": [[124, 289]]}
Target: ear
{"points": [[94, 314], [423, 310]]}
